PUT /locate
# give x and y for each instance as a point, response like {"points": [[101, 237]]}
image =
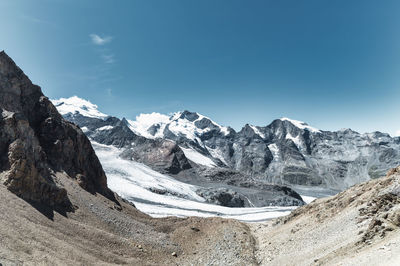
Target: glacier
{"points": [[137, 182]]}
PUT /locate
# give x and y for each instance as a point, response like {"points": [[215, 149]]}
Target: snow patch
{"points": [[307, 199], [301, 125], [186, 128], [217, 153], [275, 151], [258, 132], [296, 139], [105, 128], [84, 129], [197, 157], [225, 130]]}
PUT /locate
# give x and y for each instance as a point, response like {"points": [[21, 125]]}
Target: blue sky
{"points": [[333, 64]]}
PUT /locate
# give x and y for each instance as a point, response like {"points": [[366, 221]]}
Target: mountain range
{"points": [[211, 181], [286, 152]]}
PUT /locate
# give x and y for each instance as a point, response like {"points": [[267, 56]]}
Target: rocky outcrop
{"points": [[241, 190], [36, 143], [162, 155], [224, 197]]}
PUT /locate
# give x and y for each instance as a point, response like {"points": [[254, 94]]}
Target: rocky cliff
{"points": [[36, 143]]}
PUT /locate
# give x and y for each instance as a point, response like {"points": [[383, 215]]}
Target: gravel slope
{"points": [[359, 226]]}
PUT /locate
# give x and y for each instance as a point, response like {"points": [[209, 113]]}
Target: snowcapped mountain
{"points": [[286, 152], [188, 125], [291, 152], [76, 105], [185, 128], [169, 157]]}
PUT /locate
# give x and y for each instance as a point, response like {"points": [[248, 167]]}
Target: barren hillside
{"points": [[359, 226]]}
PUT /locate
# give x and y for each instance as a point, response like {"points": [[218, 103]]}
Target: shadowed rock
{"points": [[36, 143]]}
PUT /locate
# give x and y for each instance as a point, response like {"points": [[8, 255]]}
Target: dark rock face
{"points": [[36, 142], [191, 116], [162, 155], [224, 197]]}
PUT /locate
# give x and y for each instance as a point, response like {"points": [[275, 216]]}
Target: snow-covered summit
{"points": [[187, 124], [75, 105], [144, 122], [301, 125]]}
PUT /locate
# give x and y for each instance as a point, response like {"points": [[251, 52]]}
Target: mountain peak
{"points": [[191, 116], [301, 125], [7, 65], [4, 55], [75, 104], [144, 122], [15, 86]]}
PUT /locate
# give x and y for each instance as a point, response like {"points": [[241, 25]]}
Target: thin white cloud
{"points": [[98, 40], [397, 133], [37, 20], [108, 59]]}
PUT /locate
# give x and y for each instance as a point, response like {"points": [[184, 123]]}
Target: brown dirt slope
{"points": [[101, 232], [359, 226]]}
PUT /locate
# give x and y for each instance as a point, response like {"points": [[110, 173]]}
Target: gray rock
{"points": [[224, 197]]}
